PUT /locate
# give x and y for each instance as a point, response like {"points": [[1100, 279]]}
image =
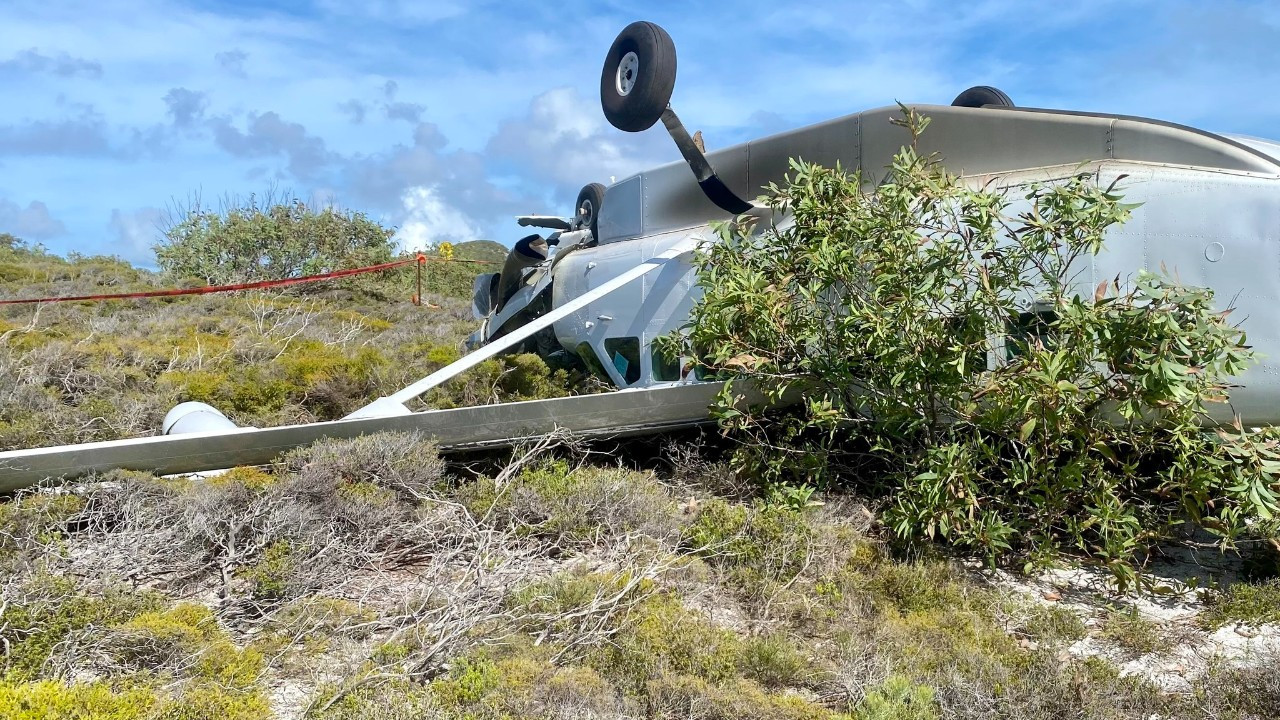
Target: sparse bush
{"points": [[404, 462], [1053, 625], [561, 503], [1240, 693], [31, 521], [1135, 634], [333, 508], [269, 239], [321, 619], [898, 699], [1075, 429], [44, 614], [1243, 603], [394, 699], [760, 546]]}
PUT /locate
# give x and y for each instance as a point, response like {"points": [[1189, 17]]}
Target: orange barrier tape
{"points": [[419, 259]]}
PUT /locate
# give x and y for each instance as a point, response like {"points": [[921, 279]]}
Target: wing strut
{"points": [[394, 404]]}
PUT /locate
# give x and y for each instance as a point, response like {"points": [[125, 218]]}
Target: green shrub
{"points": [[553, 500], [160, 638], [684, 696], [898, 699], [274, 238], [910, 587], [1243, 603], [52, 610], [212, 702], [55, 700], [101, 700], [521, 681], [649, 632], [774, 661], [509, 378], [662, 637], [761, 546], [902, 317], [185, 640], [1135, 634], [250, 478], [272, 573], [468, 682]]}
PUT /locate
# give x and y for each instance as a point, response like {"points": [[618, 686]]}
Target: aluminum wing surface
{"points": [[626, 412]]}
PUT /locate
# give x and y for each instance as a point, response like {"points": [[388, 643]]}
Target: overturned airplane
{"points": [[607, 281], [1210, 208]]}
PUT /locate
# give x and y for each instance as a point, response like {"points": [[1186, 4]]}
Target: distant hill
{"points": [[455, 279], [486, 250]]}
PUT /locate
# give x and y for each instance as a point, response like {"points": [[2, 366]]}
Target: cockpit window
{"points": [[592, 361], [624, 353], [1031, 327], [665, 369]]}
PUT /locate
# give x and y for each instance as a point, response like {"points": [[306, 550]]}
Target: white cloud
{"points": [[136, 232], [60, 64], [429, 220], [31, 223], [563, 139], [232, 61]]}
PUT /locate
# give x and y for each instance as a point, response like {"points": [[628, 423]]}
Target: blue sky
{"points": [[444, 119]]}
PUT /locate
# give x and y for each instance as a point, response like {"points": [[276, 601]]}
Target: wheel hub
{"points": [[628, 69]]}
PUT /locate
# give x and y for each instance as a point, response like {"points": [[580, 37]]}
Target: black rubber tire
{"points": [[590, 200], [982, 96], [655, 77]]}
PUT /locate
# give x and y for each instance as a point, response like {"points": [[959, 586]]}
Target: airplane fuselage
{"points": [[1209, 212]]}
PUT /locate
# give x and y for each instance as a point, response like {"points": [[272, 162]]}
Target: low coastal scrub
{"points": [[370, 578], [82, 372]]}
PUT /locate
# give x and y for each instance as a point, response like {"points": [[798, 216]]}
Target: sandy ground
{"points": [[1175, 608]]}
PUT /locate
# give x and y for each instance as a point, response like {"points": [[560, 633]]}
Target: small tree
{"points": [[927, 329], [252, 241]]}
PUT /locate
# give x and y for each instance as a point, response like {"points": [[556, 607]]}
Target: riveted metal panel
{"points": [[622, 214], [673, 200]]}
